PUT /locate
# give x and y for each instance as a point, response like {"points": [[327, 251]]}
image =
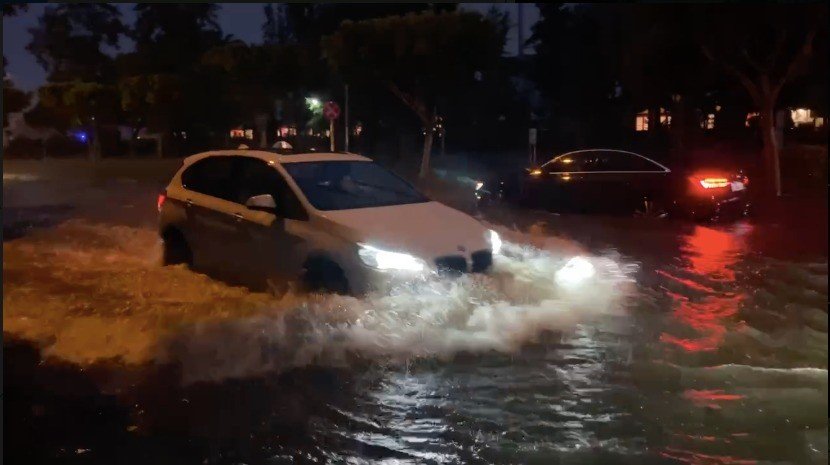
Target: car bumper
{"points": [[364, 279], [729, 205]]}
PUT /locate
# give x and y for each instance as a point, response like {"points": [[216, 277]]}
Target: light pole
{"points": [[346, 119]]}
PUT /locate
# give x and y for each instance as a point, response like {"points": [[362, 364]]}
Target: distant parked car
{"points": [[620, 182]]}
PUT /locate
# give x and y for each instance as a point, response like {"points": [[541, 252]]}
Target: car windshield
{"points": [[344, 185]]}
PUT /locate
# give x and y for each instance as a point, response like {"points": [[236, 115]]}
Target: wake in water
{"points": [[437, 317], [90, 293]]}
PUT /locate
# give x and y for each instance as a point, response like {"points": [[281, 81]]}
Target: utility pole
{"points": [[346, 119]]}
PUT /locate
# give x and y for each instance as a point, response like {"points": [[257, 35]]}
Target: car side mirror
{"points": [[263, 202]]}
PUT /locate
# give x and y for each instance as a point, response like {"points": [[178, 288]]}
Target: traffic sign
{"points": [[331, 111]]}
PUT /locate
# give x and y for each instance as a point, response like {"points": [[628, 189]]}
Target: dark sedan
{"points": [[620, 182]]}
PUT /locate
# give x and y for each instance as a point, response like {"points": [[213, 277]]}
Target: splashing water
{"points": [[439, 318]]}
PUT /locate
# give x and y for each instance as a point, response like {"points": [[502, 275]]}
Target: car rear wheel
{"points": [[650, 208], [175, 250]]}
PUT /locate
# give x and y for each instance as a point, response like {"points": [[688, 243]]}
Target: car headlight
{"points": [[576, 271], [495, 242], [386, 260]]}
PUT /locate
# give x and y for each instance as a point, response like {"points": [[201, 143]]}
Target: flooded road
{"points": [[697, 344]]}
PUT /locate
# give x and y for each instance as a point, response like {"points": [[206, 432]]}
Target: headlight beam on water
{"points": [[576, 271]]}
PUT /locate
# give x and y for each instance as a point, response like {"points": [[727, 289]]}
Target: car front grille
{"points": [[457, 264]]}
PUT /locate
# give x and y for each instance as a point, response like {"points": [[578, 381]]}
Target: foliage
{"points": [[151, 98], [173, 37], [308, 23], [420, 58], [14, 100], [763, 49], [12, 9], [68, 39], [84, 102]]}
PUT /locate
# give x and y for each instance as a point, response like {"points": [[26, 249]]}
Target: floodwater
{"points": [[695, 344]]}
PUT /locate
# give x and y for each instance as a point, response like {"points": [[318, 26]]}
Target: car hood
{"points": [[427, 230]]}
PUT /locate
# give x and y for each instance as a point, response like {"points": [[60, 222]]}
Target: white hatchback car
{"points": [[338, 221]]}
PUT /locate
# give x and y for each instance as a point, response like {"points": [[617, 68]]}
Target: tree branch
{"points": [[414, 103], [752, 62], [750, 86], [803, 54], [780, 40]]}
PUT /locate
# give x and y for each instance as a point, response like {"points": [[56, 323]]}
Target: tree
{"points": [[419, 58], [67, 43], [68, 39], [82, 103], [11, 9], [270, 28], [173, 37], [163, 83], [576, 67], [151, 99], [763, 47], [14, 100]]}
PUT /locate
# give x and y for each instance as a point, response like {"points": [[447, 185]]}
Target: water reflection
{"points": [[706, 300]]}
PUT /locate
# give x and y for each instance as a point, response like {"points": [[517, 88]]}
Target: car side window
{"points": [[210, 176], [621, 161], [255, 177], [567, 163], [597, 161]]}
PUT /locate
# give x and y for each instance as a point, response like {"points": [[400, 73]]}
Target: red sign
{"points": [[331, 110]]}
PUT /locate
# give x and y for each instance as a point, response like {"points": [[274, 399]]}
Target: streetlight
{"points": [[313, 103]]}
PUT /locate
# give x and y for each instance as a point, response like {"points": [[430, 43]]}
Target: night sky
{"points": [[242, 20]]}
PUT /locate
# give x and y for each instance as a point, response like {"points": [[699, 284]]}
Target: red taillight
{"points": [[161, 199], [713, 183]]}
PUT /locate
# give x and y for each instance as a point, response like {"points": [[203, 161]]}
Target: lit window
{"points": [[802, 116], [708, 122], [751, 118], [358, 129], [285, 131], [641, 121], [819, 122], [665, 118], [249, 134], [237, 133]]}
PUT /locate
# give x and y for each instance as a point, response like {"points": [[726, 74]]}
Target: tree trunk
{"points": [[427, 151], [160, 145], [134, 142], [95, 144], [771, 150]]}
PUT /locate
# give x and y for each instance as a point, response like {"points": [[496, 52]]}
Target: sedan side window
{"points": [[255, 177], [567, 163], [211, 176], [621, 161]]}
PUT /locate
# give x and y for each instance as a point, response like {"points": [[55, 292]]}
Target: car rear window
{"points": [[210, 176]]}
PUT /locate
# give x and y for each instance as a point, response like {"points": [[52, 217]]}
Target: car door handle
{"points": [[188, 203], [239, 217]]}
